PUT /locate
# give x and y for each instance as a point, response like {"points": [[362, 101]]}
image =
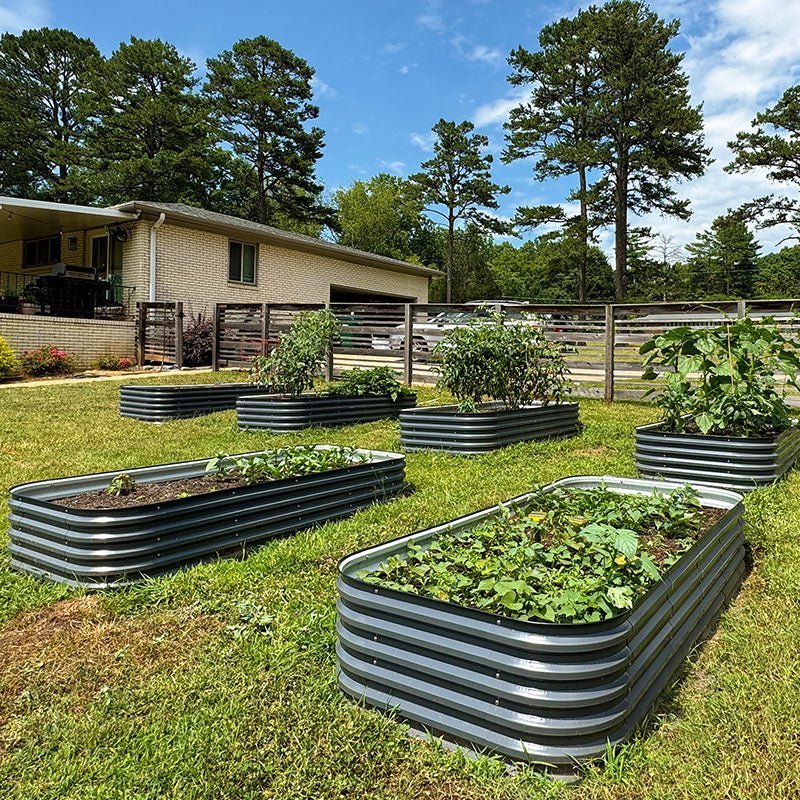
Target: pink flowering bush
{"points": [[114, 363], [46, 360]]}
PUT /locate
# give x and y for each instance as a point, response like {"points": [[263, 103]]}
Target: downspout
{"points": [[156, 225]]}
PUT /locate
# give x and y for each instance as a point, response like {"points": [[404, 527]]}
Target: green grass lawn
{"points": [[220, 682]]}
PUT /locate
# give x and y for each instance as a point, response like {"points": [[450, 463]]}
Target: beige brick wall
{"points": [[84, 339], [193, 267], [11, 254]]}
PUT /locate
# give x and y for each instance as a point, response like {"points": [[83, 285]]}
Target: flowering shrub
{"points": [[114, 362], [8, 361], [47, 360]]}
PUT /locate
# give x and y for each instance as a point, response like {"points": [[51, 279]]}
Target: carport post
{"points": [[408, 345], [329, 355]]}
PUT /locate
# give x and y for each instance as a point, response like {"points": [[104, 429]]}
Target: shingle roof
{"points": [[200, 217]]}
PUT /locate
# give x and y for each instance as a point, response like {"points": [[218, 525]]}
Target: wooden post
{"points": [[141, 322], [178, 334], [329, 355], [609, 355], [215, 340], [408, 345], [741, 308], [265, 329]]}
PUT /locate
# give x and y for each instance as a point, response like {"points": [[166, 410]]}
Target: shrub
{"points": [[8, 361], [497, 360], [723, 380], [377, 381], [198, 341], [299, 356], [47, 360], [114, 362]]}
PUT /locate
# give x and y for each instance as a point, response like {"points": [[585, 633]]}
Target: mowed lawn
{"points": [[220, 682]]}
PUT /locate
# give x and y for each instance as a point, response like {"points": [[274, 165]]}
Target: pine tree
{"points": [[46, 108], [456, 184]]}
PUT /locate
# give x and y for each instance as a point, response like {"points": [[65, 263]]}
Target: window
{"points": [[41, 252], [241, 262]]}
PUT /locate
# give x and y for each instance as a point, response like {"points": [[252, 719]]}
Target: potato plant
{"points": [[568, 556]]}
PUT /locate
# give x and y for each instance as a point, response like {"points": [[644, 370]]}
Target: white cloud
{"points": [[466, 49], [393, 48], [393, 166], [433, 22], [496, 111], [360, 128], [18, 15], [321, 88], [423, 140]]}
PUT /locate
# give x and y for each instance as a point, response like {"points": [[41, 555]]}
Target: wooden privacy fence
{"points": [[159, 333], [600, 342]]}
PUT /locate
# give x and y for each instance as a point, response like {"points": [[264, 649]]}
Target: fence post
{"points": [[141, 331], [178, 335], [215, 340], [329, 355], [408, 345], [264, 329], [609, 355], [741, 308]]}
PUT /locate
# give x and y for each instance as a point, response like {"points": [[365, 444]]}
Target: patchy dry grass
{"points": [[220, 682]]}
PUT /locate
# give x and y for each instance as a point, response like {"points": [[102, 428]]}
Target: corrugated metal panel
{"points": [[283, 414], [159, 403], [726, 461], [546, 694], [113, 547], [442, 428]]}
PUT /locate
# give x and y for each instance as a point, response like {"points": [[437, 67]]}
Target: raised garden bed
{"points": [[491, 427], [281, 414], [157, 403], [550, 694], [728, 461], [102, 548]]}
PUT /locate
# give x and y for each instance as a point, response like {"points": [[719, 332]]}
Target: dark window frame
{"points": [[232, 271], [52, 247]]}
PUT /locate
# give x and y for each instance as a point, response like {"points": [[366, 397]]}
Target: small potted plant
{"points": [[9, 301], [511, 385], [725, 420], [110, 529], [287, 374], [545, 629]]}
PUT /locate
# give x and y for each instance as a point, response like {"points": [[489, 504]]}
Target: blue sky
{"points": [[386, 72]]}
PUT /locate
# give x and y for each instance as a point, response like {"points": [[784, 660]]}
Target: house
{"points": [[140, 251]]}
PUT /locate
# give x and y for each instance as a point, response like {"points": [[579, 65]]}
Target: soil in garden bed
{"points": [[147, 493]]}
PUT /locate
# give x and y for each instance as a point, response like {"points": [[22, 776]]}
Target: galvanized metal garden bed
{"points": [[742, 464], [494, 426], [157, 403], [546, 694], [112, 547], [281, 414]]}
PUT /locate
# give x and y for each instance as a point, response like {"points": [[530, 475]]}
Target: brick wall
{"points": [[84, 339], [11, 254], [193, 267]]}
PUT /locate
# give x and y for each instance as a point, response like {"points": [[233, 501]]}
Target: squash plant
{"points": [[570, 555], [299, 356], [496, 359], [730, 380]]}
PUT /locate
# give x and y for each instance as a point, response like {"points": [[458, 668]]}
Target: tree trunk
{"points": [[584, 237], [621, 234], [450, 237]]}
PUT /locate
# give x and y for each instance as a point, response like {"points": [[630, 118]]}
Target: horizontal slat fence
{"points": [[600, 342]]}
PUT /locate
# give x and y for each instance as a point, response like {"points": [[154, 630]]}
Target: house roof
{"points": [[200, 218], [32, 219]]}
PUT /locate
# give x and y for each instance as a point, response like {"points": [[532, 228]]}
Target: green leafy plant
{"points": [[8, 361], [724, 380], [46, 361], [378, 381], [121, 485], [284, 462], [299, 356], [568, 556], [501, 360], [111, 362]]}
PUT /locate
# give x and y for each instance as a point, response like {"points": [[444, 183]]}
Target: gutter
{"points": [[153, 231]]}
